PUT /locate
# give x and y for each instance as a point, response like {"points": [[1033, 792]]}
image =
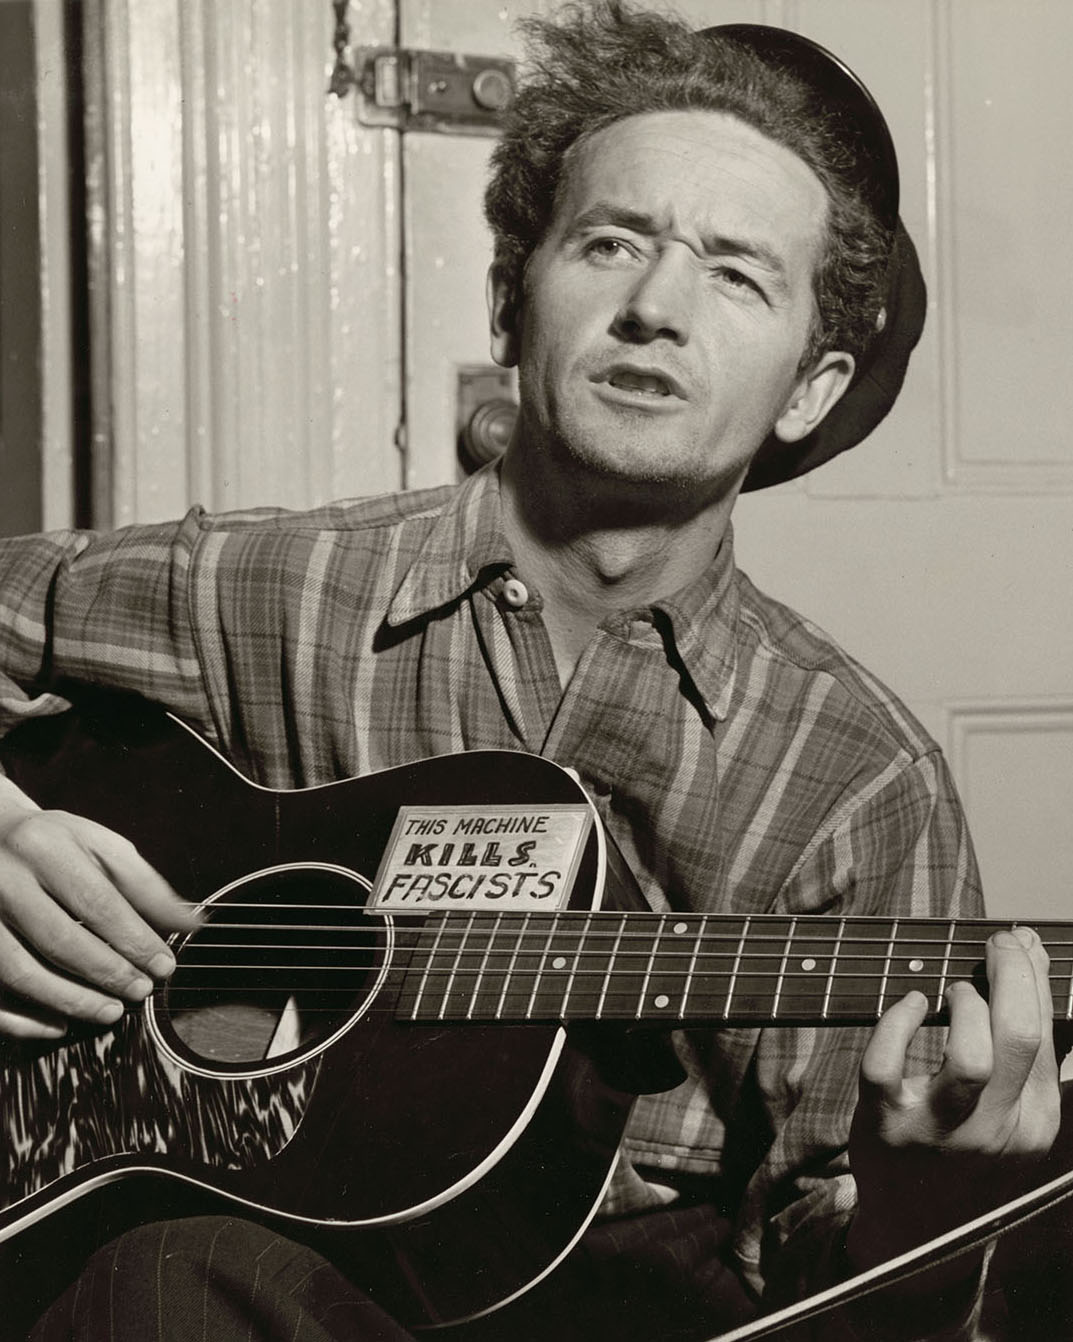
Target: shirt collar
{"points": [[466, 546], [704, 624], [465, 542], [699, 628]]}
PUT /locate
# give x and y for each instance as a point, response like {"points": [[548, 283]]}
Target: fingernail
{"points": [[139, 988], [110, 1013], [1016, 936], [160, 966]]}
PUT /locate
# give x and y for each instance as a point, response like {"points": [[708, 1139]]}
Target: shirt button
{"points": [[515, 593]]}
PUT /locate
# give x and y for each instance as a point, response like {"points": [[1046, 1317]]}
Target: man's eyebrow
{"points": [[604, 213]]}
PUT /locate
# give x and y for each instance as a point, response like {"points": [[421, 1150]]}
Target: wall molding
{"points": [[960, 470], [1000, 716]]}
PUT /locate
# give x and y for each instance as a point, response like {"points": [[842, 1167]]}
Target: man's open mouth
{"points": [[643, 382]]}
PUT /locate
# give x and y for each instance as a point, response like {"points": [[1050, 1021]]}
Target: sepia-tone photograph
{"points": [[536, 670]]}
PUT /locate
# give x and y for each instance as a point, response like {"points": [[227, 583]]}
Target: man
{"points": [[698, 256]]}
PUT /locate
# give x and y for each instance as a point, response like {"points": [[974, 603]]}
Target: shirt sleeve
{"points": [[904, 852], [111, 610]]}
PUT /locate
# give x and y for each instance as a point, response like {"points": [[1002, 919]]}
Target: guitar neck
{"points": [[698, 968]]}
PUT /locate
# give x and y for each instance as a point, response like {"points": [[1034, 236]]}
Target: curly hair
{"points": [[597, 63]]}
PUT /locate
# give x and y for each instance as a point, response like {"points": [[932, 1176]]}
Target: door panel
{"points": [[244, 251]]}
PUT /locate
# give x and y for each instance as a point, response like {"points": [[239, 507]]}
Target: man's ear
{"points": [[504, 315], [817, 391]]}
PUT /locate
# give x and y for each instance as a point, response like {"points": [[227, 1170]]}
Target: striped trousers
{"points": [[659, 1278]]}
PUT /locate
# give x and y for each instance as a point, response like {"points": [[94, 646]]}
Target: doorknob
{"points": [[486, 414], [488, 429]]}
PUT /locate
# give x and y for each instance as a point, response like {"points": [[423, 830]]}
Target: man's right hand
{"points": [[82, 920]]}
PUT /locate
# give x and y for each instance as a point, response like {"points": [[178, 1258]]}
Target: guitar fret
{"points": [[944, 972], [692, 970], [423, 985], [886, 967], [1069, 999], [545, 1000], [518, 936], [648, 970], [736, 965], [589, 978], [833, 969], [527, 971], [920, 955], [807, 972], [667, 983], [782, 969], [482, 969], [459, 951], [571, 978], [610, 967]]}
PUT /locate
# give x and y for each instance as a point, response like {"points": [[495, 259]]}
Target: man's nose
{"points": [[660, 302]]}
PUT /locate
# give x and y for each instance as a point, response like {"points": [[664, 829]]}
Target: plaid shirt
{"points": [[743, 762]]}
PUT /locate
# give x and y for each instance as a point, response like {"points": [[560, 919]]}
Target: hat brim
{"points": [[881, 371], [876, 382]]}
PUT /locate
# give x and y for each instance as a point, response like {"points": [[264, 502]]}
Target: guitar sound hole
{"points": [[284, 960]]}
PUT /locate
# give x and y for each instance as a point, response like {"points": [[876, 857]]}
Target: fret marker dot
{"points": [[663, 1000], [916, 966], [681, 928], [559, 962], [808, 964]]}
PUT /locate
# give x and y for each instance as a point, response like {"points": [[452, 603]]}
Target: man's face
{"points": [[665, 313]]}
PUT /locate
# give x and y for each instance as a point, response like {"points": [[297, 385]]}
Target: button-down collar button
{"points": [[515, 593]]}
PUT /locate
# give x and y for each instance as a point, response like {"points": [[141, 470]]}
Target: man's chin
{"points": [[642, 486], [644, 465]]}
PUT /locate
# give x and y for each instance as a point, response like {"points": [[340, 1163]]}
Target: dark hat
{"points": [[881, 369]]}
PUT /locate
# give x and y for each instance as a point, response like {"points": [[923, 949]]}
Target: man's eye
{"points": [[608, 249], [735, 279]]}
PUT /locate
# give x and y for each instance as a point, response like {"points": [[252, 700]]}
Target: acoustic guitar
{"points": [[365, 1042]]}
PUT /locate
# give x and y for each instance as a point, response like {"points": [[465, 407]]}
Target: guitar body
{"points": [[412, 1154]]}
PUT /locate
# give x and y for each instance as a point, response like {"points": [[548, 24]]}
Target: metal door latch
{"points": [[430, 90]]}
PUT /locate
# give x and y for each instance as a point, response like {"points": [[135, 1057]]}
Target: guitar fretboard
{"points": [[697, 968]]}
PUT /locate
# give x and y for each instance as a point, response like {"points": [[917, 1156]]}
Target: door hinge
{"points": [[443, 91]]}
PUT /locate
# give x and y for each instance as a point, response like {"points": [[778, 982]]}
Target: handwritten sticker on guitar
{"points": [[522, 858]]}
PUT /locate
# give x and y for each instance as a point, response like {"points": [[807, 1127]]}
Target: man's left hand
{"points": [[931, 1152]]}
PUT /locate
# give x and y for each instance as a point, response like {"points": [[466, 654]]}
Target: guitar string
{"points": [[618, 997], [647, 950], [791, 1010], [811, 925], [655, 958], [658, 960], [818, 977], [641, 945], [454, 958], [533, 918]]}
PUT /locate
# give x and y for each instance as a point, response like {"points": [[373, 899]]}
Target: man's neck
{"points": [[587, 565]]}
